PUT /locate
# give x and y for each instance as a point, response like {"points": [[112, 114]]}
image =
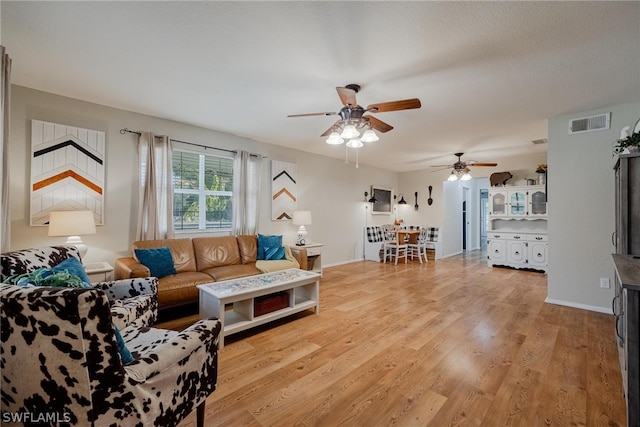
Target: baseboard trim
{"points": [[595, 308]]}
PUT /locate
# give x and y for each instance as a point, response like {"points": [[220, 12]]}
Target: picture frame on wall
{"points": [[67, 171], [383, 204], [283, 190]]}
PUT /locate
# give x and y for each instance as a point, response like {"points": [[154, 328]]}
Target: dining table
{"points": [[407, 235]]}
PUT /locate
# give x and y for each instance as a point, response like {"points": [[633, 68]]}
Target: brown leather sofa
{"points": [[202, 260]]}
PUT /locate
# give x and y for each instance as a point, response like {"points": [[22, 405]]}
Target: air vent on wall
{"points": [[590, 124]]}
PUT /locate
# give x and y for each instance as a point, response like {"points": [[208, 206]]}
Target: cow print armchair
{"points": [[62, 362], [133, 301]]}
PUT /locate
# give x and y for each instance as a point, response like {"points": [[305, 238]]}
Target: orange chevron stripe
{"points": [[67, 174], [285, 191]]}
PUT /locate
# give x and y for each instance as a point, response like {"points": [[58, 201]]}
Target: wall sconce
{"points": [[372, 199], [402, 200]]}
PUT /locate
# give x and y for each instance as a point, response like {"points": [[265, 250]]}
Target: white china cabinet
{"points": [[517, 235]]}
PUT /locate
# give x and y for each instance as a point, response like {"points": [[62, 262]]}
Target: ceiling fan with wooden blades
{"points": [[352, 114], [460, 170]]}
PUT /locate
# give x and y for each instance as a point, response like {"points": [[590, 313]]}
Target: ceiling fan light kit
{"points": [[353, 118]]}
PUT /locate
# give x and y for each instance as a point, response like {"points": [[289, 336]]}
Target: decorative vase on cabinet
{"points": [[542, 178]]}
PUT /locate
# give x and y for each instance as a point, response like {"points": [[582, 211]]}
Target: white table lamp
{"points": [[72, 224], [301, 218]]}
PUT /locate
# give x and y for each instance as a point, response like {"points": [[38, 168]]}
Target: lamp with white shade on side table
{"points": [[314, 249], [75, 224], [72, 224], [301, 218]]}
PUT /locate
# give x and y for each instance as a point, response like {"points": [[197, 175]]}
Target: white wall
{"points": [[581, 208], [332, 190]]}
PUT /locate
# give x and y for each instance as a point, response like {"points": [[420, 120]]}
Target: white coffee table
{"points": [[302, 287]]}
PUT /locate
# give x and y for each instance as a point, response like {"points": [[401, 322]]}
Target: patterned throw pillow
{"points": [[270, 247], [158, 260]]}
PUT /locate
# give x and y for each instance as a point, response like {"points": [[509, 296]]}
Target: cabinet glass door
{"points": [[538, 203], [498, 204], [517, 203]]}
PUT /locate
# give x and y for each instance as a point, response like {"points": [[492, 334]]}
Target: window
{"points": [[202, 190]]}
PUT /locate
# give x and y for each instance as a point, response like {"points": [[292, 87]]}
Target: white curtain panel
{"points": [[155, 195], [247, 170], [5, 98]]}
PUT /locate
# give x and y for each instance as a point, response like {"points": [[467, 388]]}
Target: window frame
{"points": [[202, 193]]}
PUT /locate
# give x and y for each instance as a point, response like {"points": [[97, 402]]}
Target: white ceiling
{"points": [[489, 74]]}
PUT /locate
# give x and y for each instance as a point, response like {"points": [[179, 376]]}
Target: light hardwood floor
{"points": [[448, 343]]}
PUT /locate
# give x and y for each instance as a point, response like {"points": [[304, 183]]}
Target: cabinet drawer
{"points": [[313, 251], [498, 235], [520, 237], [537, 238]]}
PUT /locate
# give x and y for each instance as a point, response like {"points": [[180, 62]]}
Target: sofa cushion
{"points": [[158, 260], [181, 251], [213, 252], [232, 271], [180, 288], [248, 245]]}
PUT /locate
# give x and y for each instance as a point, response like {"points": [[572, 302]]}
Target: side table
{"points": [[98, 271], [314, 256]]}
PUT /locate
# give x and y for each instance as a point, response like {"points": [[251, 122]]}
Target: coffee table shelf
{"points": [[302, 287]]}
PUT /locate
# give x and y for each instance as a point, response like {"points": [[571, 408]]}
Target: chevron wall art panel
{"points": [[283, 190], [67, 171]]}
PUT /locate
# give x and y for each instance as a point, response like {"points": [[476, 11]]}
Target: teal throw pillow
{"points": [[274, 253], [73, 266], [125, 354], [158, 260], [270, 247]]}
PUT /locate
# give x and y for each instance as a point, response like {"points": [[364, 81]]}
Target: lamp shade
{"points": [[349, 132], [334, 139], [369, 136], [71, 223], [301, 217], [354, 143]]}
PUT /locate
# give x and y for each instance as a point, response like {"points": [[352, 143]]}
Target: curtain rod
{"points": [[125, 130]]}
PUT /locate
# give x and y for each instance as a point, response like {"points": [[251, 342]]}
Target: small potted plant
{"points": [[628, 143]]}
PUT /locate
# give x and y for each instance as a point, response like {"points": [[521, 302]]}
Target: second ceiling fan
{"points": [[460, 169]]}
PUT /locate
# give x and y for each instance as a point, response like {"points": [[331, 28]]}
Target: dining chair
{"points": [[393, 247], [420, 247]]}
